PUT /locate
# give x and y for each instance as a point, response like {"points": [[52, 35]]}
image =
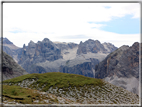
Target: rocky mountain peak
{"points": [[31, 42], [108, 44], [109, 47], [135, 45], [124, 47], [45, 40], [65, 46], [120, 67], [10, 48], [81, 42], [90, 46], [91, 41], [39, 52], [24, 46], [6, 41]]}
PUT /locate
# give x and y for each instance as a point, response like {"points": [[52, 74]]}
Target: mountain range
{"points": [[119, 66], [47, 56]]}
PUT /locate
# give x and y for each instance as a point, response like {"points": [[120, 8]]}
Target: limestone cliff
{"points": [[121, 68], [10, 68]]}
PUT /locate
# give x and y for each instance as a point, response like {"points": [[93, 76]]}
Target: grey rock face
{"points": [[46, 56], [94, 47], [85, 68], [10, 49], [66, 46], [38, 69], [6, 41], [37, 53], [125, 60], [10, 68], [109, 47], [122, 63]]}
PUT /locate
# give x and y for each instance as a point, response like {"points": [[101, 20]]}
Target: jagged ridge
{"points": [[121, 68]]}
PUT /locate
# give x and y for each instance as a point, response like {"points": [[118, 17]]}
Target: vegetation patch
{"points": [[19, 94], [64, 88], [56, 79]]}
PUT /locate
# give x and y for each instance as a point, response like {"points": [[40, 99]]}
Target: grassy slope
{"points": [[52, 79], [72, 86], [57, 79], [21, 95]]}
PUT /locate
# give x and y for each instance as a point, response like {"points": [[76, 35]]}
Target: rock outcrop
{"points": [[10, 49], [109, 47], [47, 56], [121, 68], [10, 68], [94, 47], [86, 68], [63, 45], [6, 41], [39, 52], [88, 54]]}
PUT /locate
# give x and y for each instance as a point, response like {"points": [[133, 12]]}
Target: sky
{"points": [[116, 23]]}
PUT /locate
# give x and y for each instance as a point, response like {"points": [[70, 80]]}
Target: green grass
{"points": [[57, 79], [21, 95], [21, 78], [54, 79]]}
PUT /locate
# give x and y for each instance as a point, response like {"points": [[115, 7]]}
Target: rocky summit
{"points": [[39, 52], [109, 47], [47, 56], [121, 68], [10, 68], [65, 46], [88, 54], [95, 47], [10, 48], [5, 41]]}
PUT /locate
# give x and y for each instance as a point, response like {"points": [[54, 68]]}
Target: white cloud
{"points": [[36, 21]]}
